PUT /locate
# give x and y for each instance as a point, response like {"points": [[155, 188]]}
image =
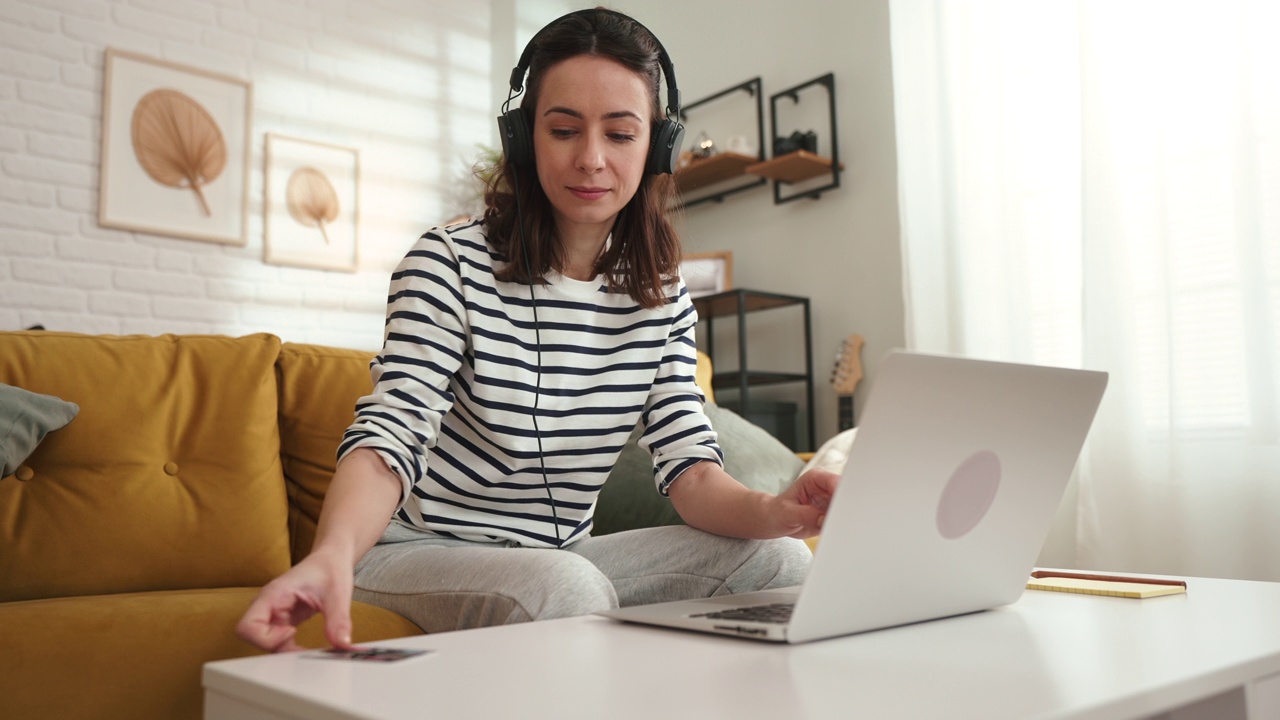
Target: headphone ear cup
{"points": [[664, 151], [517, 136]]}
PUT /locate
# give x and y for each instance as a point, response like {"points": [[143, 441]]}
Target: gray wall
{"points": [[843, 250]]}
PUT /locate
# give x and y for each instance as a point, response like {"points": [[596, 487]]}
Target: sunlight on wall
{"points": [[406, 83]]}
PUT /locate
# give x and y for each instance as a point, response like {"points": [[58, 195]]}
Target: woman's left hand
{"points": [[800, 510]]}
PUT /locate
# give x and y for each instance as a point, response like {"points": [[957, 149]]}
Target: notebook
{"points": [[947, 496], [1102, 585]]}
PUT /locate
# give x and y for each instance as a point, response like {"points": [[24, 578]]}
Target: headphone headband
{"points": [[515, 126], [664, 60]]}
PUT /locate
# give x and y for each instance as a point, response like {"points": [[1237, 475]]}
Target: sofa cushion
{"points": [[168, 479], [25, 418], [319, 387], [630, 499], [137, 655]]}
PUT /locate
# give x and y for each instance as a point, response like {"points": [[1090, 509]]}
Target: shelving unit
{"points": [[801, 165], [710, 173], [738, 303]]}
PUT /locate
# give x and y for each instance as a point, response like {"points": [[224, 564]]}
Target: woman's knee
{"points": [[559, 584], [777, 563], [793, 561]]}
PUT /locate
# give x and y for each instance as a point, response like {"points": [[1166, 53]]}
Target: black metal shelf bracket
{"points": [[753, 88], [793, 93]]}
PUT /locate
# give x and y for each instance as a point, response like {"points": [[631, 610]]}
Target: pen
{"points": [[1105, 578]]}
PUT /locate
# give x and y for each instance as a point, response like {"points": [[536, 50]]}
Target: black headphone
{"points": [[515, 127]]}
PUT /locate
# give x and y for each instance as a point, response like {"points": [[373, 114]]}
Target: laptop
{"points": [[950, 487]]}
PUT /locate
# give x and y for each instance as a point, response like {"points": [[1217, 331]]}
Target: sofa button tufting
{"points": [[24, 473], [171, 468]]}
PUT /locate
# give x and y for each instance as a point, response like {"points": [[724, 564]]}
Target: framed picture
{"points": [[175, 150], [312, 202], [707, 273]]}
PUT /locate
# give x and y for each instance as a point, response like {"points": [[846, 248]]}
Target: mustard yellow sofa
{"points": [[133, 538]]}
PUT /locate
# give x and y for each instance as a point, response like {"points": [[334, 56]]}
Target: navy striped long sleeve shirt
{"points": [[455, 387]]}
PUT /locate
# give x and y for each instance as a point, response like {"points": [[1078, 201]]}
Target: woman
{"points": [[520, 352]]}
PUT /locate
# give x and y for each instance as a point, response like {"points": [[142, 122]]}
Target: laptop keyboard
{"points": [[777, 613]]}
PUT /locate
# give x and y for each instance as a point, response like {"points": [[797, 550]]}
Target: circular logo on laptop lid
{"points": [[968, 494]]}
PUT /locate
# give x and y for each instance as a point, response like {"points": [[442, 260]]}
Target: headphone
{"points": [[515, 126]]}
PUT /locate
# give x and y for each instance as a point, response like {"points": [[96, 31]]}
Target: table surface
{"points": [[1049, 655]]}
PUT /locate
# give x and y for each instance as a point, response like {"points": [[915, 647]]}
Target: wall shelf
{"points": [[793, 167], [710, 174], [702, 172], [800, 165]]}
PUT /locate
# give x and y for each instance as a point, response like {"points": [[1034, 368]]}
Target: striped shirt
{"points": [[456, 384]]}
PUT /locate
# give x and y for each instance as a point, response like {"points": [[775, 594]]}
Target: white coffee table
{"points": [[1211, 653]]}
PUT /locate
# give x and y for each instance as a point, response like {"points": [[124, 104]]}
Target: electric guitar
{"points": [[845, 377]]}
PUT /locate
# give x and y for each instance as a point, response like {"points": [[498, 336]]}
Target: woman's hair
{"points": [[644, 254]]}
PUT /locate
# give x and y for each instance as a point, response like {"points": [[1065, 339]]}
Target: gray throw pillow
{"points": [[25, 419], [630, 499]]}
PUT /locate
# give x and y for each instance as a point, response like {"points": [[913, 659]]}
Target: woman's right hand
{"points": [[363, 494], [321, 583]]}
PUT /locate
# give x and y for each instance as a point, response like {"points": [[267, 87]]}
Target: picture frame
{"points": [[175, 150], [312, 204], [707, 273]]}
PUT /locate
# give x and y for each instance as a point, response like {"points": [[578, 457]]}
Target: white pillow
{"points": [[834, 453]]}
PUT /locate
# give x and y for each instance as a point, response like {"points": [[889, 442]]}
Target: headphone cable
{"points": [[537, 336]]}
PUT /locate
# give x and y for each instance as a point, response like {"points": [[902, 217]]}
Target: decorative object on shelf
{"points": [[802, 163], [312, 195], [845, 377], [707, 273], [711, 173], [175, 150], [703, 147], [740, 145]]}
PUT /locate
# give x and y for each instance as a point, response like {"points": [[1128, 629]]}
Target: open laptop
{"points": [[948, 494]]}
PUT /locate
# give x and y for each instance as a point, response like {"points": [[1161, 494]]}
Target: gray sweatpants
{"points": [[445, 584]]}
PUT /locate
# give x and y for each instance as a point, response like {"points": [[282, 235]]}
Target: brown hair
{"points": [[644, 254]]}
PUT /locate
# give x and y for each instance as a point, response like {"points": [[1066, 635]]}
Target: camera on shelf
{"points": [[797, 140]]}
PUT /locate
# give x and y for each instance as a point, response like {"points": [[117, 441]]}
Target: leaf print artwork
{"points": [[311, 199], [177, 142]]}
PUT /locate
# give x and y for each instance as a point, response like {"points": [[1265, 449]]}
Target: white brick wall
{"points": [[407, 82]]}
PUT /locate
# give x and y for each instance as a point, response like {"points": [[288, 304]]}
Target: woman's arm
{"points": [[357, 507], [687, 459], [363, 495], [709, 499]]}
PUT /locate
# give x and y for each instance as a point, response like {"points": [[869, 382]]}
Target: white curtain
{"points": [[1096, 183]]}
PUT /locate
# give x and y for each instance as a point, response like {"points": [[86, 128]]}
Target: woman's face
{"points": [[590, 140]]}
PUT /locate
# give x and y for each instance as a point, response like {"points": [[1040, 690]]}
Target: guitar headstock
{"points": [[847, 372]]}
